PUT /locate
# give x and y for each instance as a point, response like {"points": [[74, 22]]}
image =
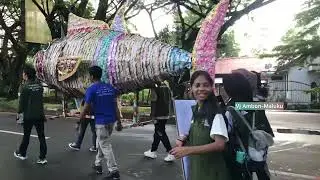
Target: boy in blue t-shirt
{"points": [[102, 98]]}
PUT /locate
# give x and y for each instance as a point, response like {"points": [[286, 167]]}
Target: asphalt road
{"points": [[294, 120], [294, 157]]}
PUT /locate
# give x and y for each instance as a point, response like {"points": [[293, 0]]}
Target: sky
{"points": [[269, 24]]}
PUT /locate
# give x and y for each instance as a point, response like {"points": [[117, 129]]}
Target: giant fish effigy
{"points": [[129, 61]]}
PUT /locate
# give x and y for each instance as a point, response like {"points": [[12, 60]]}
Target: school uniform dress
{"points": [[209, 166]]}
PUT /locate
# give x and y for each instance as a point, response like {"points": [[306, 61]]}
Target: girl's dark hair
{"points": [[196, 74], [238, 88], [262, 91], [258, 78], [210, 105]]}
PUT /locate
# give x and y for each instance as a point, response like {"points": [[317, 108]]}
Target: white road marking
{"points": [[298, 138], [292, 113], [21, 134], [134, 135], [288, 149], [281, 144], [143, 154], [302, 176]]}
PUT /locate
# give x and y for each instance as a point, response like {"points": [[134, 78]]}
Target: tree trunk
{"points": [[15, 67], [56, 94], [82, 7], [14, 76], [102, 10]]}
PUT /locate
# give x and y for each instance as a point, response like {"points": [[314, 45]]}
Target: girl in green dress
{"points": [[205, 143]]}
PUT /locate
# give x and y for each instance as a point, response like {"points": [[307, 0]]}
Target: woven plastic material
{"points": [[129, 61]]}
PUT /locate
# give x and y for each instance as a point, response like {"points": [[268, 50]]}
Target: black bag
{"points": [[246, 139]]}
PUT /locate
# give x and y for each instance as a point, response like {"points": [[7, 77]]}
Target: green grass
{"points": [[129, 109], [54, 107], [6, 105], [12, 105]]}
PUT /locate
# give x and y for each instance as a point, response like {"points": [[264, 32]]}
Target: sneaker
{"points": [[98, 169], [19, 156], [93, 149], [115, 175], [19, 121], [42, 161], [150, 154], [19, 118], [74, 146], [169, 158]]}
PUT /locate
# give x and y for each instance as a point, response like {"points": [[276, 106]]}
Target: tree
{"points": [[13, 50], [151, 8], [187, 27], [303, 41], [106, 11], [188, 15], [228, 46], [167, 36]]}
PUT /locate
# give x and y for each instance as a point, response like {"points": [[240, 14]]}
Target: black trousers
{"points": [[160, 135], [261, 169], [244, 172], [27, 127], [82, 130]]}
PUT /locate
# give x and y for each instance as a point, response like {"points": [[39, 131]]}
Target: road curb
{"points": [[51, 117], [297, 131], [297, 111], [131, 125]]}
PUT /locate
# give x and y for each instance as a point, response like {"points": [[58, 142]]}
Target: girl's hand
{"points": [[180, 152], [179, 143]]}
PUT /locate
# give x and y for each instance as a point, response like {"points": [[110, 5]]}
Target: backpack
{"points": [[258, 140], [246, 151]]}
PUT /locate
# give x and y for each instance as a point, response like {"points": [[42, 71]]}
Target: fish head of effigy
{"points": [[128, 61]]}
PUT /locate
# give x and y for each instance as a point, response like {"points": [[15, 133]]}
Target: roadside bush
{"points": [[127, 99]]}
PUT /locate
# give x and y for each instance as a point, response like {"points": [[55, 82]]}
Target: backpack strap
{"points": [[237, 115], [223, 110], [254, 120], [240, 142], [226, 121]]}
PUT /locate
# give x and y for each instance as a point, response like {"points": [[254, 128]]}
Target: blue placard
{"points": [[183, 113]]}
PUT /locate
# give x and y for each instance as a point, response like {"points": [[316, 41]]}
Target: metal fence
{"points": [[292, 92]]}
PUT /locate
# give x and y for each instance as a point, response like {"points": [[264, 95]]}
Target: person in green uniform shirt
{"points": [[31, 105], [205, 143]]}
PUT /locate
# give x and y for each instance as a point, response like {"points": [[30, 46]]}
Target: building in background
{"points": [[287, 84], [292, 82]]}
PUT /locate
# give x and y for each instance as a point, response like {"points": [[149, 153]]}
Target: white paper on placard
{"points": [[183, 113]]}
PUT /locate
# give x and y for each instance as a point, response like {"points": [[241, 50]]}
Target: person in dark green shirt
{"points": [[31, 105], [205, 142]]}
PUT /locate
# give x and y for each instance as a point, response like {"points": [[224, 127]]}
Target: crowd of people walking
{"points": [[223, 143]]}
